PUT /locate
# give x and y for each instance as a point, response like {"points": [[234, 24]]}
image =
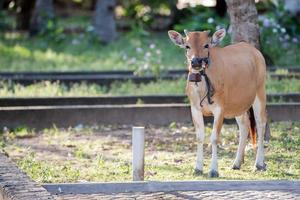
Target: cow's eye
{"points": [[206, 46], [187, 47]]}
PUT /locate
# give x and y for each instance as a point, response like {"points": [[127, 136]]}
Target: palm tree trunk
{"points": [[243, 21], [104, 20]]}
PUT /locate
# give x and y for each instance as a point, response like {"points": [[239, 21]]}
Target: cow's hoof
{"points": [[198, 172], [261, 167], [235, 167], [213, 174]]}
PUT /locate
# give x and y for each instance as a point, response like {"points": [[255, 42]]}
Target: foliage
{"points": [[279, 30], [60, 50], [279, 35], [202, 18], [176, 87], [56, 32], [6, 22], [276, 16], [150, 63], [83, 52], [51, 32], [144, 13], [83, 89], [284, 85]]}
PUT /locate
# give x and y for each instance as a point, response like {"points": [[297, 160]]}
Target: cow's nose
{"points": [[196, 62]]}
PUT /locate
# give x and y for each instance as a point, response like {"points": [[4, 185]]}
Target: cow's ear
{"points": [[218, 37], [176, 38]]}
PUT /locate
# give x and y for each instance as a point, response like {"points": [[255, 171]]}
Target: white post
{"points": [[138, 148]]}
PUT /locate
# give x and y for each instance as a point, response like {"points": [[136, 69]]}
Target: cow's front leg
{"points": [[218, 121], [199, 126]]}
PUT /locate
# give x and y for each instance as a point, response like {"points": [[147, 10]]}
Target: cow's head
{"points": [[197, 45]]}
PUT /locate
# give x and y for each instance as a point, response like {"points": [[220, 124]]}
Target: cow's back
{"points": [[240, 68]]}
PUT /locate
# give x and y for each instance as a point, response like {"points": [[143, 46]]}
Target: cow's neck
{"points": [[198, 76]]}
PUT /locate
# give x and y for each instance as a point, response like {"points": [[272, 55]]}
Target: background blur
{"points": [[89, 35], [66, 34]]}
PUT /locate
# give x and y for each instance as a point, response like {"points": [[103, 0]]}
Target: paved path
{"points": [[15, 185], [191, 195], [178, 190]]}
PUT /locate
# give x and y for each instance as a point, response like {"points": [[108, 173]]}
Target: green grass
{"points": [[284, 85], [84, 52], [47, 89], [104, 153], [132, 51]]}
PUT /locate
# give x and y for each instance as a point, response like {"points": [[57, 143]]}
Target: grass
{"points": [[83, 89], [104, 153], [47, 89], [84, 52], [284, 85]]}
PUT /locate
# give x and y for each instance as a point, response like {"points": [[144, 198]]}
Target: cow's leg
{"points": [[259, 108], [244, 125], [199, 126], [218, 121]]}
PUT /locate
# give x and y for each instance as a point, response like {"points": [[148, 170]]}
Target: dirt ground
{"points": [[103, 153]]}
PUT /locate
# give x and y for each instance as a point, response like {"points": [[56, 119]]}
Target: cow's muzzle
{"points": [[197, 62]]}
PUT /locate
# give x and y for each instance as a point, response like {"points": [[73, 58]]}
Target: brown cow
{"points": [[233, 86]]}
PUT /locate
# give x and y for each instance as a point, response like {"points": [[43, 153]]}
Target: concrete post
{"points": [[138, 148]]}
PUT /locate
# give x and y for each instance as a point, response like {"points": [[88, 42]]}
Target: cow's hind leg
{"points": [[259, 108], [244, 125]]}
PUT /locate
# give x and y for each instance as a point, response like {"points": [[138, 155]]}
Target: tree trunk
{"points": [[243, 21], [104, 20], [43, 12], [221, 7], [23, 17], [1, 4]]}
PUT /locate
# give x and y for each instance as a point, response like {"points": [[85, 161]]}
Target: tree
{"points": [[24, 15], [1, 4], [243, 21], [104, 20], [221, 7], [43, 12], [244, 26]]}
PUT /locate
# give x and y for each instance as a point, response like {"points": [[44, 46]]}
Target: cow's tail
{"points": [[252, 131]]}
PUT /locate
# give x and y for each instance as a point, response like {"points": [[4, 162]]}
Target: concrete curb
{"points": [[15, 185], [156, 186], [105, 78], [40, 117], [118, 100]]}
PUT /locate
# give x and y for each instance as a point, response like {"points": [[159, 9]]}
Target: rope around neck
{"points": [[210, 89]]}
